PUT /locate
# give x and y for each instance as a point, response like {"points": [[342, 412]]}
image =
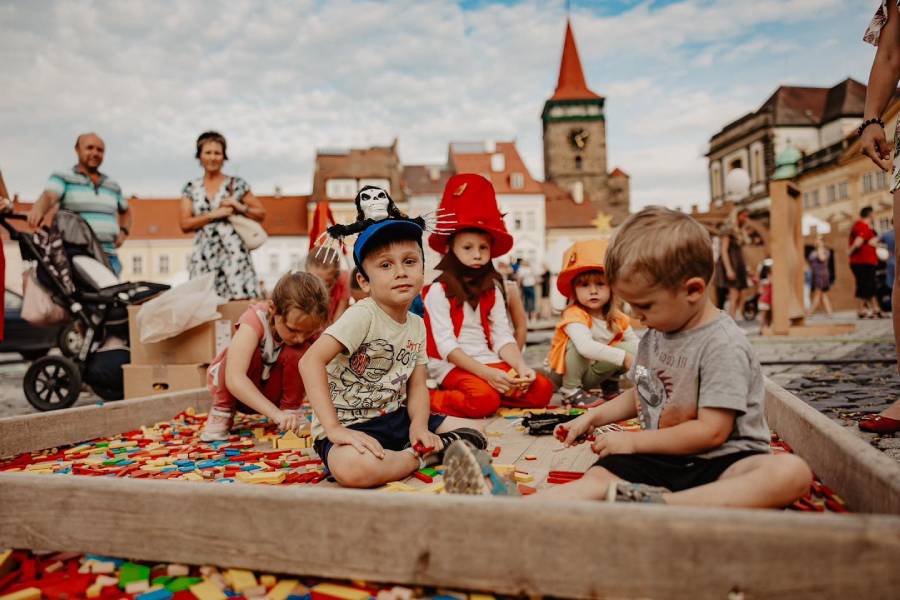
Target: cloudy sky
{"points": [[281, 79]]}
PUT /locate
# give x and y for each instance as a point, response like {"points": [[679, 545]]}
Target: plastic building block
{"points": [[179, 584], [282, 589], [240, 579], [6, 562], [177, 570], [530, 457], [496, 452], [130, 572], [160, 594], [422, 476], [332, 591], [31, 593], [521, 477], [207, 590], [267, 581]]}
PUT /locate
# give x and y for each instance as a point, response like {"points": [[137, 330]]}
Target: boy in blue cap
{"points": [[365, 376]]}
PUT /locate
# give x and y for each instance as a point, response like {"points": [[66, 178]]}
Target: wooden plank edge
{"points": [[865, 477], [29, 433], [511, 546]]}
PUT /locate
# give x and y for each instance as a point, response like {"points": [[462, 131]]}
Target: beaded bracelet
{"points": [[868, 122]]}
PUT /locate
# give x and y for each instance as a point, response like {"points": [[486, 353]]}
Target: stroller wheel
{"points": [[52, 382], [70, 339]]}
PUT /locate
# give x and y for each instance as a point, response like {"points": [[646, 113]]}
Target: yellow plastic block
{"points": [[435, 488], [503, 469], [332, 590], [282, 589], [207, 590], [6, 562], [523, 477], [261, 477], [94, 590], [290, 441], [240, 579], [494, 433], [192, 476], [401, 487], [267, 580], [31, 593], [259, 432]]}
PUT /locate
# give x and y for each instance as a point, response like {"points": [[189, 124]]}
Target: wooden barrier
{"points": [[512, 546]]}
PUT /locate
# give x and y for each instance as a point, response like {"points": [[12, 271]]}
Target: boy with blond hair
{"points": [[698, 391]]}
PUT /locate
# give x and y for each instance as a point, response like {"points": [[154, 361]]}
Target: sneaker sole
{"points": [[463, 474]]}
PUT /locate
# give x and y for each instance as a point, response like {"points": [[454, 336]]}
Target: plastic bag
{"points": [[178, 309], [38, 308]]}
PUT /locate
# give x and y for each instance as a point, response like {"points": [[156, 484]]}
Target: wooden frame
{"points": [[513, 546]]}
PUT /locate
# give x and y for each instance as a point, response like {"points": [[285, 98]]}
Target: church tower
{"points": [[575, 132]]}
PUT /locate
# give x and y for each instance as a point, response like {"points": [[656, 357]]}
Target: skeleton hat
{"points": [[375, 206]]}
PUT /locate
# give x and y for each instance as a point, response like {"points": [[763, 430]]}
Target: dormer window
{"points": [[516, 181], [498, 162]]}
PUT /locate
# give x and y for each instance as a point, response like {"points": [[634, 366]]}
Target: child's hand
{"points": [[629, 361], [568, 433], [614, 442], [497, 379], [287, 421], [527, 376], [342, 436], [421, 435]]}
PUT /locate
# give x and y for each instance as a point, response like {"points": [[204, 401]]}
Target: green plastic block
{"points": [[162, 580], [179, 584], [130, 572]]}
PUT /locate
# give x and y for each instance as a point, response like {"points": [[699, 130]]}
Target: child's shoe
{"points": [[468, 471], [473, 436], [579, 398], [625, 491], [218, 426]]}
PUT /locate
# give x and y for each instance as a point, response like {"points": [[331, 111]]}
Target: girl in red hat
{"points": [[472, 352]]}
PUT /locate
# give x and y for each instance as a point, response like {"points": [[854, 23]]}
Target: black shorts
{"points": [[391, 431], [673, 472], [865, 280]]}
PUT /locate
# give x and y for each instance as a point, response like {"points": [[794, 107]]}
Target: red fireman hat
{"points": [[471, 200]]}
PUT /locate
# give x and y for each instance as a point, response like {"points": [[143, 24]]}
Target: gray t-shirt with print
{"points": [[711, 366]]}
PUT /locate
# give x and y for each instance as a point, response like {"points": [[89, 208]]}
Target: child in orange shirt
{"points": [[594, 341]]}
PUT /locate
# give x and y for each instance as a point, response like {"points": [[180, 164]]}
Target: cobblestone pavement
{"points": [[844, 392]]}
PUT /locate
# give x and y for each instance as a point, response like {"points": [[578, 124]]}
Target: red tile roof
{"points": [[425, 179], [563, 212], [480, 162], [617, 172], [571, 84], [358, 163]]}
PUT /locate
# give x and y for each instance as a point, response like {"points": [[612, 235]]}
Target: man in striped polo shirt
{"points": [[91, 194]]}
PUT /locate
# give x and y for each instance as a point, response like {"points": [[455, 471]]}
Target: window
{"points": [[295, 261], [341, 188], [842, 191], [578, 192], [274, 263], [884, 224], [831, 193], [757, 165], [163, 264], [578, 163], [517, 221], [517, 181], [736, 164], [715, 179], [811, 199], [882, 180], [137, 265], [529, 221]]}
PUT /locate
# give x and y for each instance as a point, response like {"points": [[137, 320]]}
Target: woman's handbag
{"points": [[250, 231]]}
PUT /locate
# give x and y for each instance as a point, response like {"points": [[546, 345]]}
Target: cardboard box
{"points": [[200, 344], [148, 380], [233, 310]]}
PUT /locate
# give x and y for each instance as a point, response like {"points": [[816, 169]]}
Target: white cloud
{"points": [[281, 79]]}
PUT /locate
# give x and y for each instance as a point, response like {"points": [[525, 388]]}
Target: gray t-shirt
{"points": [[711, 366]]}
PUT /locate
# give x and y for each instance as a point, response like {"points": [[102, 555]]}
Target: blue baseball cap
{"points": [[383, 230]]}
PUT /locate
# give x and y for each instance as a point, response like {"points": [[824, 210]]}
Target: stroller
{"points": [[72, 267]]}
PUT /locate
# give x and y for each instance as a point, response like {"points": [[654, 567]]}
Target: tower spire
{"points": [[571, 84]]}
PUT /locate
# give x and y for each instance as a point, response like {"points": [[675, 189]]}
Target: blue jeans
{"points": [[114, 263]]}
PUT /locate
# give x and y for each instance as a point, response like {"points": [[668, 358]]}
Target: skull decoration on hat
{"points": [[373, 204]]}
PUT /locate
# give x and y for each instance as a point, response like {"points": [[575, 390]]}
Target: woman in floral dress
{"points": [[206, 204]]}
